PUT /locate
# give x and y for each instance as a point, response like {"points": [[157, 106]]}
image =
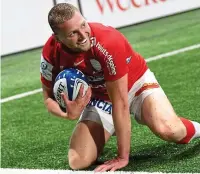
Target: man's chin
{"points": [[84, 49]]}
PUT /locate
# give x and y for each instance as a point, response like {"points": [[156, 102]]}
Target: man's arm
{"points": [[51, 105], [118, 93], [73, 108]]}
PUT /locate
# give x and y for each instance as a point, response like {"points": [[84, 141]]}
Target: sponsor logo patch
{"points": [[101, 104], [108, 58]]}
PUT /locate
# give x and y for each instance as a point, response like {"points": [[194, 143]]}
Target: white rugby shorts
{"points": [[100, 111]]}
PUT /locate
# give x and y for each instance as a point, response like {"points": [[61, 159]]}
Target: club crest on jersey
{"points": [[43, 66], [95, 64], [46, 69], [93, 41], [101, 104]]}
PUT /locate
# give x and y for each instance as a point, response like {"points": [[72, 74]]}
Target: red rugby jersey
{"points": [[110, 57]]}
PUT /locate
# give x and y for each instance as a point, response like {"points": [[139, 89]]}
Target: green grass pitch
{"points": [[31, 138]]}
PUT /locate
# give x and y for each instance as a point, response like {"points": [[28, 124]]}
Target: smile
{"points": [[83, 42]]}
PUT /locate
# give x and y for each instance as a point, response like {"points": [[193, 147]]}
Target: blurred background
{"points": [[25, 25]]}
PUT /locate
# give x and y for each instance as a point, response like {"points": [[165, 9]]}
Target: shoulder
{"points": [[107, 35], [50, 43], [102, 32], [50, 48], [108, 40]]}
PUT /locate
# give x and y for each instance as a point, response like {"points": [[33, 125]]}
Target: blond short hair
{"points": [[59, 14]]}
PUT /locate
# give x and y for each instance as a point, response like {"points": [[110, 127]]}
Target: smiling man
{"points": [[121, 83]]}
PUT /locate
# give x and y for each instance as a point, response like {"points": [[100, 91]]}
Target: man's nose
{"points": [[82, 34]]}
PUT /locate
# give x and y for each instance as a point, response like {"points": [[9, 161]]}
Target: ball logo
{"points": [[60, 87], [69, 82]]}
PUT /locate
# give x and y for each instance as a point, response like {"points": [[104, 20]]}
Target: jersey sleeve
{"points": [[46, 71], [46, 64], [114, 53]]}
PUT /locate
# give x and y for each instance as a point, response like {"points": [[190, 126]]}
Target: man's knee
{"points": [[76, 162], [171, 131]]}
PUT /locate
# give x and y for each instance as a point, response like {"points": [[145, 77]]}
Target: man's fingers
{"points": [[103, 168], [80, 93], [89, 91], [111, 165], [107, 167], [88, 94], [119, 166], [65, 98], [99, 168], [108, 162], [115, 168]]}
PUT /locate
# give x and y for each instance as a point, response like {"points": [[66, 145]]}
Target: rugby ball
{"points": [[69, 82]]}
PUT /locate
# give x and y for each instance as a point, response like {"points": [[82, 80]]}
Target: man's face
{"points": [[75, 33]]}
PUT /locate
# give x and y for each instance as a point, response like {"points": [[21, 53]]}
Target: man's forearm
{"points": [[53, 107], [122, 124]]}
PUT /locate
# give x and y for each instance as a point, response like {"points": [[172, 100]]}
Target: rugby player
{"points": [[121, 84]]}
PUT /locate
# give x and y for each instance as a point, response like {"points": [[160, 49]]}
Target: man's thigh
{"points": [[159, 115], [150, 104], [156, 107], [92, 131], [87, 141], [143, 88]]}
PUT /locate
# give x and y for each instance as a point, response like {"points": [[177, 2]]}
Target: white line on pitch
{"points": [[161, 56], [20, 95], [48, 171]]}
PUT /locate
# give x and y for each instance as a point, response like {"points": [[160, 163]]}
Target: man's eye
{"points": [[83, 25], [71, 34]]}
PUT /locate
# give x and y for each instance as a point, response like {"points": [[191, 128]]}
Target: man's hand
{"points": [[75, 108], [112, 165]]}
